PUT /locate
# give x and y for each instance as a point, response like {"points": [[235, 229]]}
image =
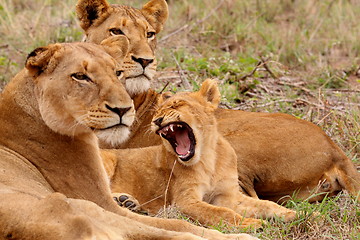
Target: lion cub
{"points": [[195, 168]]}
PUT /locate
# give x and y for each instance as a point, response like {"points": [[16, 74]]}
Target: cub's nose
{"points": [[158, 121], [119, 111], [143, 61]]}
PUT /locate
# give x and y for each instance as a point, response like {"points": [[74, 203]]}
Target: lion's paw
{"points": [[127, 201], [253, 223], [289, 215]]}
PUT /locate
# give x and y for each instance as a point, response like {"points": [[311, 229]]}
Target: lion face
{"points": [[186, 122], [78, 90], [101, 21]]}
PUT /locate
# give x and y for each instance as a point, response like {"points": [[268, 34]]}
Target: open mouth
{"points": [[181, 137]]}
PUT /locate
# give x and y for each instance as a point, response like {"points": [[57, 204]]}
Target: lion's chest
{"points": [[206, 180]]}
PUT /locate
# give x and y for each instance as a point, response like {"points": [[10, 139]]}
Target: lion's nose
{"points": [[143, 61], [158, 121], [119, 111]]}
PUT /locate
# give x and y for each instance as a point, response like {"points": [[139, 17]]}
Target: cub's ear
{"points": [[42, 59], [164, 96], [210, 91], [88, 11], [156, 13], [117, 47]]}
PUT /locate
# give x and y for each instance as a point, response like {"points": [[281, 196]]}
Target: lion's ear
{"points": [[42, 59], [156, 13], [88, 11], [117, 47], [164, 96], [210, 91]]}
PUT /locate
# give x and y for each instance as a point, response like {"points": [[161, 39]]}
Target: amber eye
{"points": [[119, 73], [80, 77], [150, 34], [116, 31]]}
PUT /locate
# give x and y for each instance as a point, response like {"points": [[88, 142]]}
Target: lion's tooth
{"points": [[162, 135], [172, 127], [179, 126]]}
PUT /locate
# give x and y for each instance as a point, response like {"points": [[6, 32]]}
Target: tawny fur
{"points": [[52, 183], [205, 187], [278, 155]]}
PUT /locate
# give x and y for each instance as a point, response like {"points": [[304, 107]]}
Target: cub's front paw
{"points": [[289, 215], [253, 223], [127, 201]]}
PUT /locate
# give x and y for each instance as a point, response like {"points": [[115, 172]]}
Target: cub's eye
{"points": [[80, 77], [150, 34], [116, 31], [119, 73]]}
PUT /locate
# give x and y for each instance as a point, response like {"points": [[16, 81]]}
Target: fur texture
{"points": [[278, 155], [52, 183], [204, 187]]}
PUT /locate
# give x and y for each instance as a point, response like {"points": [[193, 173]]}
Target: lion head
{"points": [[78, 89], [186, 122], [101, 20]]}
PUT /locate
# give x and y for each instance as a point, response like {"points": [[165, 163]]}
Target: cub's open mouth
{"points": [[181, 137]]}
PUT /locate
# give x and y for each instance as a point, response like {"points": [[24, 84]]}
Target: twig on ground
{"points": [[258, 65], [323, 118], [307, 91], [184, 80], [267, 68], [225, 105], [344, 90], [174, 33], [299, 100], [167, 186], [163, 89]]}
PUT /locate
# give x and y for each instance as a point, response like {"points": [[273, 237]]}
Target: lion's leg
{"points": [[212, 215], [256, 208], [342, 176], [345, 174], [331, 183], [27, 217], [182, 226]]}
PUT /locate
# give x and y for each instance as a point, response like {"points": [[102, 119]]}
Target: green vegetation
{"points": [[300, 57]]}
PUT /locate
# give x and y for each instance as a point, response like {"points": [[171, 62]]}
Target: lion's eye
{"points": [[116, 31], [150, 34], [119, 73], [80, 77]]}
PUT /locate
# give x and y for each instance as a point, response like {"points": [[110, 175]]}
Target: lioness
{"points": [[278, 154], [193, 168], [52, 183]]}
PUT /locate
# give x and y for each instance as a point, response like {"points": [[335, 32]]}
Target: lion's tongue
{"points": [[183, 142]]}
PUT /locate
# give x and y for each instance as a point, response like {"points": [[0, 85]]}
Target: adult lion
{"points": [[278, 154], [193, 169], [52, 183]]}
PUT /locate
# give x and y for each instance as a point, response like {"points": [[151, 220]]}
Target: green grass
{"points": [[334, 218], [296, 57]]}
